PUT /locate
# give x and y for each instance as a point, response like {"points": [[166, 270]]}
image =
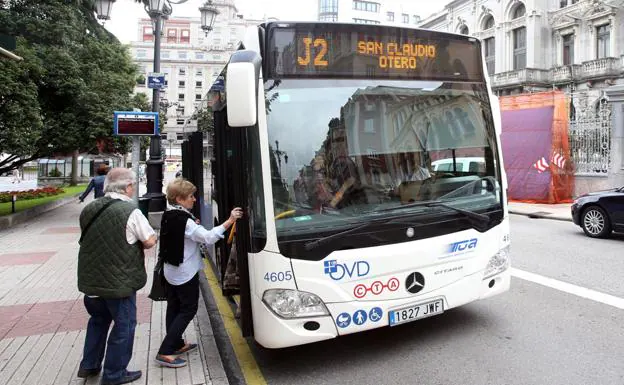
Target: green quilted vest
{"points": [[108, 266]]}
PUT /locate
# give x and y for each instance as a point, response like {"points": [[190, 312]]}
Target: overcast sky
{"points": [[126, 13]]}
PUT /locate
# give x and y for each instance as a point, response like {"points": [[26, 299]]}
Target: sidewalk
{"points": [[43, 321], [536, 210]]}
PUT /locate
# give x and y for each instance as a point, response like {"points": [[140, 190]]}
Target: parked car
{"points": [[473, 165], [599, 213]]}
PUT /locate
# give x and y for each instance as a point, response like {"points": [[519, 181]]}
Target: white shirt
{"points": [[194, 234], [137, 227]]}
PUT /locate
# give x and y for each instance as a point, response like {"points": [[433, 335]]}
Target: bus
{"points": [[325, 133]]}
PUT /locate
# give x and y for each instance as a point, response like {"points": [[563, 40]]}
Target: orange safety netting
{"points": [[536, 148]]}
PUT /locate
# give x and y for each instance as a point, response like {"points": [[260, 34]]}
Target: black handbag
{"points": [[159, 283]]}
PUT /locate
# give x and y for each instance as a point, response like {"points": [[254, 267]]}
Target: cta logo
{"points": [[376, 288], [338, 271], [466, 245]]}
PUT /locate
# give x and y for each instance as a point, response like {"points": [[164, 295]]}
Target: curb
{"points": [[227, 368], [541, 216], [8, 221]]}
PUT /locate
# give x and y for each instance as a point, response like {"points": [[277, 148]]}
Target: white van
{"points": [[475, 165]]}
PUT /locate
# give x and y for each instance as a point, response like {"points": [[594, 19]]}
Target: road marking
{"points": [[246, 360], [569, 288]]}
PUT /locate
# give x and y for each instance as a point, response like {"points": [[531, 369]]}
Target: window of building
{"points": [[199, 55], [369, 126], [232, 31], [367, 6], [488, 23], [172, 35], [148, 33], [390, 16], [182, 72], [181, 108], [519, 45], [415, 19], [141, 53], [405, 18], [365, 21], [519, 11], [185, 36], [198, 97], [181, 83], [198, 84], [568, 50], [328, 6], [164, 54], [464, 30], [180, 122], [328, 18], [490, 54], [181, 97], [199, 73], [182, 55], [603, 41], [216, 57], [179, 135]]}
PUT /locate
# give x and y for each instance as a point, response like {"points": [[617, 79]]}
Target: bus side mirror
{"points": [[240, 88]]}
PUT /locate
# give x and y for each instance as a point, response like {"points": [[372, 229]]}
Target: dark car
{"points": [[599, 213]]}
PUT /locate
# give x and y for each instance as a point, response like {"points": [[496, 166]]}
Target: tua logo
{"points": [[338, 271], [462, 245]]}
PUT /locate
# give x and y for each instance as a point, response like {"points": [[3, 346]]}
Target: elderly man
{"points": [[111, 269]]}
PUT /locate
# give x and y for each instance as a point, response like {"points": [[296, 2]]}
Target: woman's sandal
{"points": [[170, 363]]}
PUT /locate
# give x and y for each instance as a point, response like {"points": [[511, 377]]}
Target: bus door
{"points": [[231, 158], [192, 170]]}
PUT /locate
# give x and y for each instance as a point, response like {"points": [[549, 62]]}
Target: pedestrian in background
{"points": [[96, 183], [111, 268], [181, 235]]}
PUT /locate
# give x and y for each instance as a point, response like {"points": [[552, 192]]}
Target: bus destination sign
{"points": [[130, 123], [347, 51]]}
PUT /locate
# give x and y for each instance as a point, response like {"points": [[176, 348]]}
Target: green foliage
{"points": [[55, 173], [74, 75], [205, 120]]}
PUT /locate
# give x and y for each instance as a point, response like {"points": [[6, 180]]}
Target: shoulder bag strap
{"points": [[100, 211]]}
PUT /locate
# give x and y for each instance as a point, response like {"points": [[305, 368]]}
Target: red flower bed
{"points": [[7, 196]]}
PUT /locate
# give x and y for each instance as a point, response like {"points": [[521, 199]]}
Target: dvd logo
{"points": [[462, 245], [338, 271]]}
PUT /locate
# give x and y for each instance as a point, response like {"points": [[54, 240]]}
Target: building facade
{"points": [[575, 46], [385, 12], [191, 61]]}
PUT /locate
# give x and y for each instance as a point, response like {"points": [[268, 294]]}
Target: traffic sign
{"points": [[131, 123], [155, 80]]}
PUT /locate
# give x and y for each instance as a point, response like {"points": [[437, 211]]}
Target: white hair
{"points": [[118, 179]]}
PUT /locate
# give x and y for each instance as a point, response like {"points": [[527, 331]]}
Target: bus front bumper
{"points": [[275, 332]]}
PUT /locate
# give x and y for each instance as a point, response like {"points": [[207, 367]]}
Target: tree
{"points": [[79, 72]]}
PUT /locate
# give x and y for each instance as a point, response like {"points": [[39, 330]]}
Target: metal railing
{"points": [[590, 141]]}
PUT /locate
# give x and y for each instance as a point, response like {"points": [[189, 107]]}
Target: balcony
{"points": [[601, 68], [565, 74], [523, 77]]}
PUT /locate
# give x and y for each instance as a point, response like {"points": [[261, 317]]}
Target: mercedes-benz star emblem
{"points": [[414, 282]]}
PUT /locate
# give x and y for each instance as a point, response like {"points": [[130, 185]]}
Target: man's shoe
{"points": [[86, 373], [129, 377]]}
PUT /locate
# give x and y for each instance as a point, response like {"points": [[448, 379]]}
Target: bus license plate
{"points": [[412, 313]]}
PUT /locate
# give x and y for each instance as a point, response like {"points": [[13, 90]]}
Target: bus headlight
{"points": [[288, 303], [498, 263]]}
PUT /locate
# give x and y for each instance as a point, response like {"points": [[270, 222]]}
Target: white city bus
{"points": [[326, 133]]}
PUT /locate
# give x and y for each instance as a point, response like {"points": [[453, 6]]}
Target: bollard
{"points": [[13, 203]]}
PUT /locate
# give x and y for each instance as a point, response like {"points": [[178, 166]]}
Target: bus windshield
{"points": [[346, 152]]}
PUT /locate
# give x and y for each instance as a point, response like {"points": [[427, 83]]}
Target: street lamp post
{"points": [[158, 10]]}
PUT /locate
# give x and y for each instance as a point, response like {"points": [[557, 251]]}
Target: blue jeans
{"points": [[120, 341]]}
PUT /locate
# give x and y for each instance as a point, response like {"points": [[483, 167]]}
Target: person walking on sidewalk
{"points": [[96, 183], [111, 268], [181, 235]]}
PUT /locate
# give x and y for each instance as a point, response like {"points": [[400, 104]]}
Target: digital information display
{"points": [[135, 123], [354, 51]]}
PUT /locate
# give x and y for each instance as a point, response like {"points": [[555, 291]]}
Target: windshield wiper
{"points": [[321, 241]]}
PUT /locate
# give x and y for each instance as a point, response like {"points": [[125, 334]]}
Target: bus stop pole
{"points": [[136, 150]]}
